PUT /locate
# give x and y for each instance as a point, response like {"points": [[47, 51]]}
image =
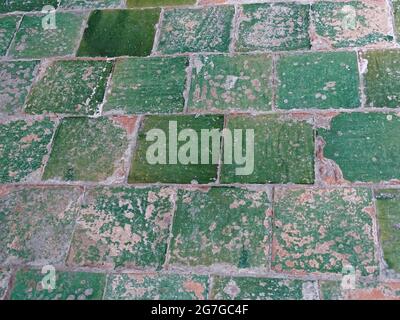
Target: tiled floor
{"points": [[317, 82]]}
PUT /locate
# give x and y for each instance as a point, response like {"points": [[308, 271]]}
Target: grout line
{"points": [[362, 65], [13, 39], [107, 89], [133, 141], [235, 29], [105, 286], [157, 36]]}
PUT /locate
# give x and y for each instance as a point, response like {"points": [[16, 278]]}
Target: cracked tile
{"points": [[323, 230], [242, 82], [73, 87], [221, 227], [123, 227]]}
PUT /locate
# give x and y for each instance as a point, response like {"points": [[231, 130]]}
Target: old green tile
{"points": [[90, 4], [328, 80], [26, 5], [23, 147], [350, 24], [382, 78], [31, 285], [8, 26], [5, 276], [153, 3], [156, 287], [86, 149], [388, 206], [70, 87], [36, 223], [242, 82], [273, 27], [332, 290], [221, 226], [123, 227], [251, 288], [16, 77], [282, 152], [323, 231], [112, 33], [155, 159], [146, 85], [32, 41], [364, 146], [196, 30]]}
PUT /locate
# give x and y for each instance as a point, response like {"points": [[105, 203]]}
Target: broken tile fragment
{"points": [[90, 4], [168, 149], [388, 206], [241, 82], [323, 231], [5, 277], [148, 85], [87, 149], [273, 27], [196, 30], [113, 33], [26, 5], [73, 87], [37, 224], [156, 287], [328, 80], [123, 227], [153, 3], [33, 41], [34, 285], [8, 26], [23, 149], [350, 24], [382, 78], [332, 290], [221, 226], [364, 146], [251, 288], [282, 152], [16, 78]]}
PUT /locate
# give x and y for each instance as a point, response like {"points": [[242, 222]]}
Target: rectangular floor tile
{"points": [[87, 149], [156, 287], [32, 41], [5, 276], [332, 290], [8, 26], [29, 285], [16, 78], [90, 4], [73, 87], [283, 150], [23, 149], [123, 227], [242, 82], [388, 206], [37, 223], [350, 24], [113, 33], [364, 146], [265, 27], [26, 5], [148, 85], [323, 230], [328, 80], [221, 226], [168, 150], [153, 3], [382, 78], [196, 30], [246, 288]]}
